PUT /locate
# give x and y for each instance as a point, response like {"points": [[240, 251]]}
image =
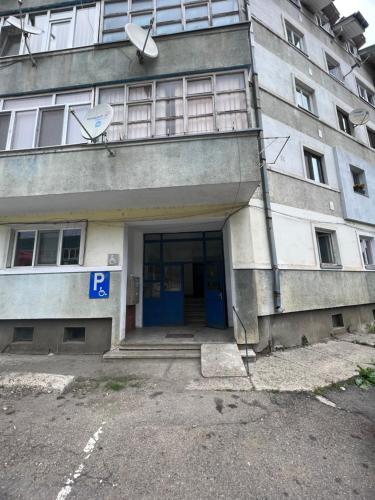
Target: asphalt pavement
{"points": [[145, 436]]}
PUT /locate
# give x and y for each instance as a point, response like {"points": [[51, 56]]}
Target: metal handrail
{"points": [[246, 343]]}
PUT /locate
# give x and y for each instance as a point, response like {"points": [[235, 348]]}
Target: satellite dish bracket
{"points": [[140, 53], [26, 35], [92, 139]]}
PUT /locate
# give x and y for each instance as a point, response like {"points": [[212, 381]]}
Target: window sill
{"points": [[310, 113], [298, 50], [370, 267], [330, 266]]}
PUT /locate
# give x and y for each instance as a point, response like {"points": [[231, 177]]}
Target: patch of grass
{"points": [[371, 327], [319, 391], [107, 382], [114, 386], [365, 378]]}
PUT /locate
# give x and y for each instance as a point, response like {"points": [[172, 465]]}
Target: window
{"points": [[42, 120], [359, 180], [337, 321], [351, 48], [305, 97], [74, 334], [334, 68], [170, 16], [314, 167], [180, 106], [23, 334], [344, 122], [371, 136], [366, 94], [326, 246], [46, 246], [294, 37], [367, 250], [61, 29]]}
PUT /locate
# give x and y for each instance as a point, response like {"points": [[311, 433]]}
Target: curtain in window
{"points": [[27, 102], [85, 27], [38, 42], [200, 112], [47, 247], [23, 133], [140, 93], [169, 108], [59, 35], [74, 129], [139, 121], [231, 102], [115, 97], [203, 85]]}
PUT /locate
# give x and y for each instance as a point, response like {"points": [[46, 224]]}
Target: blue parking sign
{"points": [[99, 285]]}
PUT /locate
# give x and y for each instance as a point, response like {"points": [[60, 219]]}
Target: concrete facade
{"points": [[193, 180]]}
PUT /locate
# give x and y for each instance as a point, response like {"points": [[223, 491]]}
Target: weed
{"points": [[319, 391], [371, 327], [114, 386], [366, 377]]}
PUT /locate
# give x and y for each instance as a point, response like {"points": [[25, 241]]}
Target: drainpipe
{"points": [[263, 171]]}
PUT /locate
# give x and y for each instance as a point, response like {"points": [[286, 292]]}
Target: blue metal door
{"points": [[215, 295], [173, 294]]}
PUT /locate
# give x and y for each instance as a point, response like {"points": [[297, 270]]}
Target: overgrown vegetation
{"points": [[107, 383], [371, 327], [366, 377]]}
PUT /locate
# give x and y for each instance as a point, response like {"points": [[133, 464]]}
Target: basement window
{"points": [[75, 334], [23, 334], [337, 321]]}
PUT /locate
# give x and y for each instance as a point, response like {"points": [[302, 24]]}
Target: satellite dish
{"points": [[359, 117], [96, 121], [142, 40], [26, 28]]}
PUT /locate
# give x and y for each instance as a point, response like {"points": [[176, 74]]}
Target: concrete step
{"points": [[152, 354], [161, 346], [250, 353]]}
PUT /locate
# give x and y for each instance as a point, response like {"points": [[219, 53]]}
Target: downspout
{"points": [[263, 171]]}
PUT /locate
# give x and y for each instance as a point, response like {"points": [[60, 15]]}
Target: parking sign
{"points": [[99, 285]]}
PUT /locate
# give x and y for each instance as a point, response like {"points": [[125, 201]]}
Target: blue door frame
{"points": [[163, 280]]}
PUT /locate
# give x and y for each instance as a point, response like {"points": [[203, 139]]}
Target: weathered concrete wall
{"points": [[57, 296], [245, 303], [289, 330], [356, 206], [307, 290], [182, 53], [143, 169], [48, 336]]}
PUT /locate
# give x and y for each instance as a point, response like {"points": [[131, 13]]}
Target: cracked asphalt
{"points": [[156, 440]]}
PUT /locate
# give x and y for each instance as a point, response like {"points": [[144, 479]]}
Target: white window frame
{"points": [[36, 228], [53, 17], [39, 109], [289, 27], [365, 93], [329, 58], [185, 97], [309, 93], [323, 165], [334, 247], [371, 240]]}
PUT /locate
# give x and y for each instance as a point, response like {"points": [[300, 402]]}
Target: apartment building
{"points": [[240, 197]]}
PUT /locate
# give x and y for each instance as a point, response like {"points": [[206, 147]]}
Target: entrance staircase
{"points": [[155, 351]]}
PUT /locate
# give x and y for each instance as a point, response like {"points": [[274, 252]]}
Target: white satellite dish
{"points": [[359, 117], [26, 28], [96, 121], [142, 40]]}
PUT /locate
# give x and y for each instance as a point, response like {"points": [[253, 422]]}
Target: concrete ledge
{"points": [[42, 382]]}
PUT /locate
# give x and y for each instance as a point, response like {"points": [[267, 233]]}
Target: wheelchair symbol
{"points": [[102, 292]]}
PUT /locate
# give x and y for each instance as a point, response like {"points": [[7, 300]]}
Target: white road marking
{"points": [[88, 449], [326, 401]]}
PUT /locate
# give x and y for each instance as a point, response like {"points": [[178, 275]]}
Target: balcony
{"points": [[205, 169]]}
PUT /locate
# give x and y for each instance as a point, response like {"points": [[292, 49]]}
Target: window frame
{"points": [[336, 64], [39, 111], [50, 20], [307, 92], [289, 27], [344, 115], [365, 93], [354, 170], [307, 152], [334, 248], [36, 229], [153, 10], [371, 241], [371, 137]]}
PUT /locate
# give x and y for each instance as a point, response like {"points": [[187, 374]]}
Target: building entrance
{"points": [[183, 280]]}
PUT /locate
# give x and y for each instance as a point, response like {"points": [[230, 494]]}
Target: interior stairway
{"points": [[194, 311]]}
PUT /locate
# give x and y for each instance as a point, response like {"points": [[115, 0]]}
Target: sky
{"points": [[366, 8]]}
